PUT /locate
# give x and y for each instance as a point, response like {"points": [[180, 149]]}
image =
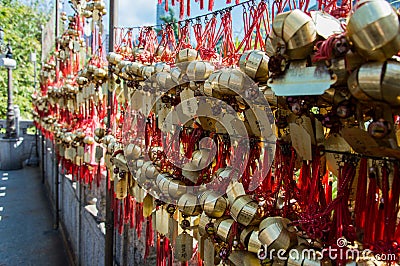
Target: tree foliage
{"points": [[22, 28], [170, 19]]}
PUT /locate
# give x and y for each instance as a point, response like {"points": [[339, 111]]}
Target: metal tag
{"points": [[147, 205], [300, 80], [189, 103], [209, 252], [61, 150], [184, 247], [98, 153], [162, 115], [162, 221], [325, 24], [107, 161], [87, 157], [301, 141], [80, 151], [172, 230], [120, 187]]}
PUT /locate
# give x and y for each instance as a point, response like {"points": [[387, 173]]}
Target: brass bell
{"points": [[199, 70], [213, 204], [224, 82], [205, 223], [149, 170], [376, 81], [374, 29], [133, 151], [249, 238], [146, 71], [165, 81], [275, 233], [244, 211], [188, 205], [161, 67], [170, 187], [186, 55], [244, 258], [223, 228], [255, 64], [297, 30], [114, 58], [88, 140]]}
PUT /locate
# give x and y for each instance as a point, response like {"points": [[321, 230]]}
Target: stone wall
{"points": [[27, 142]]}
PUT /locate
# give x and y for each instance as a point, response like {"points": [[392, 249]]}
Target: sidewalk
{"points": [[26, 223]]}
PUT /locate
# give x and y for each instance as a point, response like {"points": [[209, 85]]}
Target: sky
{"points": [[143, 12]]}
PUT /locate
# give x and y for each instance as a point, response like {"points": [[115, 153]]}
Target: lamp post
{"points": [[10, 144], [9, 64]]}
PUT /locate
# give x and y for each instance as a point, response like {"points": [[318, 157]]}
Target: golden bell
{"points": [[165, 81], [188, 205], [100, 73], [146, 71], [199, 70], [234, 191], [223, 228], [114, 58], [170, 187], [149, 170], [374, 29], [201, 158], [191, 172], [275, 234], [204, 225], [255, 64], [99, 132], [161, 67], [376, 81], [137, 164], [133, 68], [244, 211], [82, 81], [244, 258], [133, 151], [225, 82], [88, 140], [186, 55], [298, 257], [249, 238], [213, 204], [298, 32], [107, 139]]}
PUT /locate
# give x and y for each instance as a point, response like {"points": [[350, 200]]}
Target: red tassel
{"points": [[369, 228], [361, 202], [237, 2], [149, 237], [121, 217], [201, 4], [188, 8], [210, 5], [139, 218], [394, 202], [181, 9], [166, 5]]}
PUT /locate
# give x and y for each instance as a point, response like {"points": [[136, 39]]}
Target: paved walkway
{"points": [[26, 223]]}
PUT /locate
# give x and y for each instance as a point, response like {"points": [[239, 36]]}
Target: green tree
{"points": [[22, 28], [170, 19]]}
